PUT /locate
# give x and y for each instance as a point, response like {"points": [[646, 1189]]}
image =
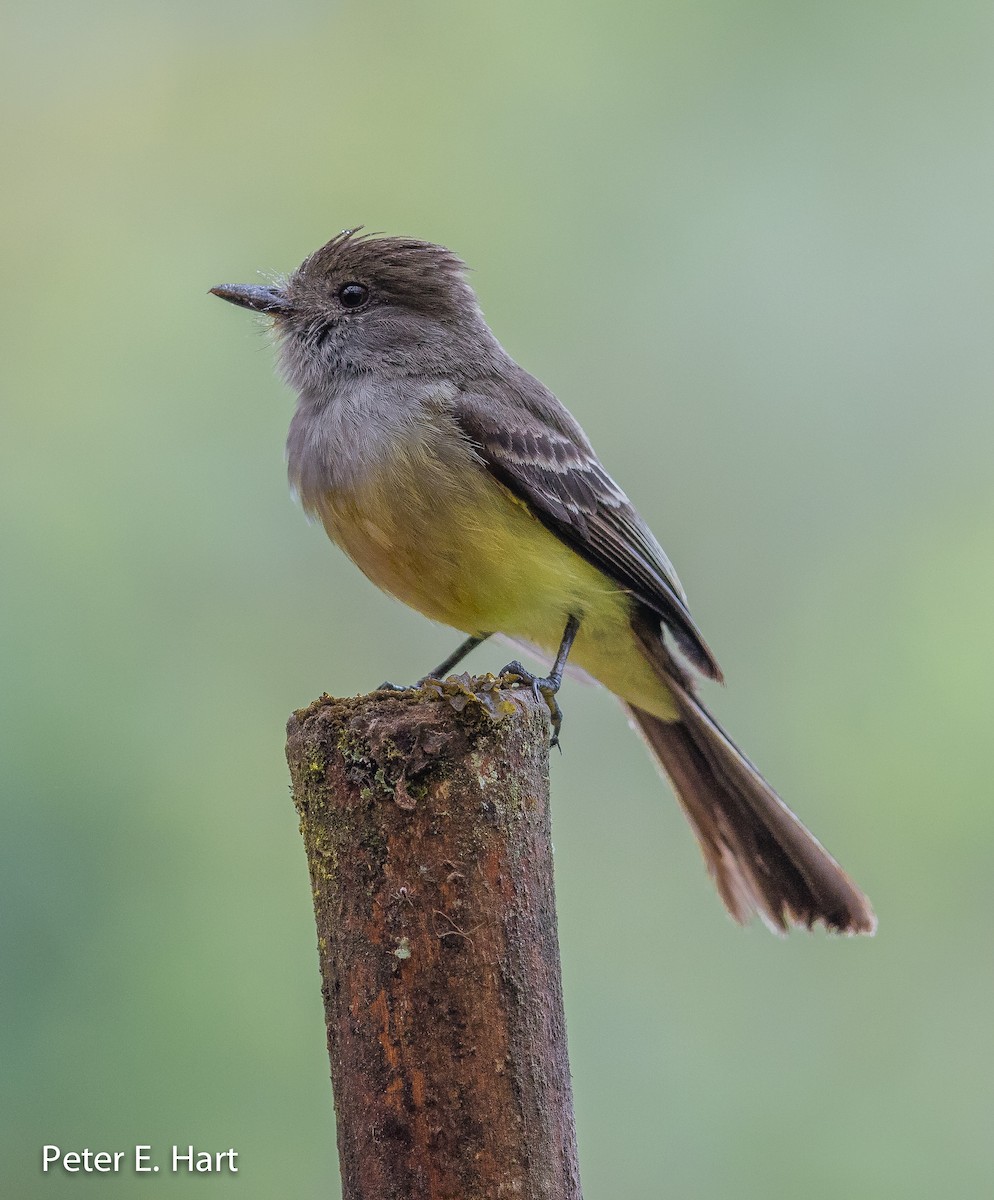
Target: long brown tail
{"points": [[761, 856]]}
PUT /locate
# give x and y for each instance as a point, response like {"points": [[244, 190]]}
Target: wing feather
{"points": [[556, 473]]}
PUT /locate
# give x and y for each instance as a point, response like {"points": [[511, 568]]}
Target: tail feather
{"points": [[760, 855]]}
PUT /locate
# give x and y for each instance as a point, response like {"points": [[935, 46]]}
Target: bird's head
{"points": [[365, 303]]}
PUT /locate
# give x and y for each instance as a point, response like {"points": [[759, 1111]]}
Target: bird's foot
{"points": [[543, 688], [387, 686]]}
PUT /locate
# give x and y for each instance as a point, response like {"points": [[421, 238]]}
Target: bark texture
{"points": [[426, 822]]}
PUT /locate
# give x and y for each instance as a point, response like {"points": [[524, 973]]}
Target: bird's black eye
{"points": [[352, 295]]}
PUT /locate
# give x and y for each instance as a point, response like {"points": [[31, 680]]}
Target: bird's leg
{"points": [[547, 687], [457, 655], [444, 667]]}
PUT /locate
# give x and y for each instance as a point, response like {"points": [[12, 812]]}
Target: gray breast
{"points": [[348, 429]]}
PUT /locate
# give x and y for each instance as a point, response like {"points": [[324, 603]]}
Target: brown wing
{"points": [[560, 479]]}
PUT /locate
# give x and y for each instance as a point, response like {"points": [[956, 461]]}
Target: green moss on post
{"points": [[426, 823]]}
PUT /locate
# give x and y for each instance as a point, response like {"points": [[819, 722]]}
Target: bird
{"points": [[458, 483]]}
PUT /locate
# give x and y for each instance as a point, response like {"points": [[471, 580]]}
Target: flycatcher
{"points": [[458, 483]]}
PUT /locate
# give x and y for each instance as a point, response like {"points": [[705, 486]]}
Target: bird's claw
{"points": [[542, 688], [387, 686]]}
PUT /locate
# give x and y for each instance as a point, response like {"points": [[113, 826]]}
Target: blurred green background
{"points": [[750, 245]]}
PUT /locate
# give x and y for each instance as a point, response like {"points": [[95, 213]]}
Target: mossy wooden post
{"points": [[426, 822]]}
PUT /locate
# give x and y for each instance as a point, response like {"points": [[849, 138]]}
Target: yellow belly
{"points": [[450, 541]]}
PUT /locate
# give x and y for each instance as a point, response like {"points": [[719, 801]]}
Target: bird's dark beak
{"points": [[262, 299]]}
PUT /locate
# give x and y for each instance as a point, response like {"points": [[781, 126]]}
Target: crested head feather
{"points": [[412, 274]]}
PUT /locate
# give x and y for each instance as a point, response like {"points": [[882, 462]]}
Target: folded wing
{"points": [[556, 473]]}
